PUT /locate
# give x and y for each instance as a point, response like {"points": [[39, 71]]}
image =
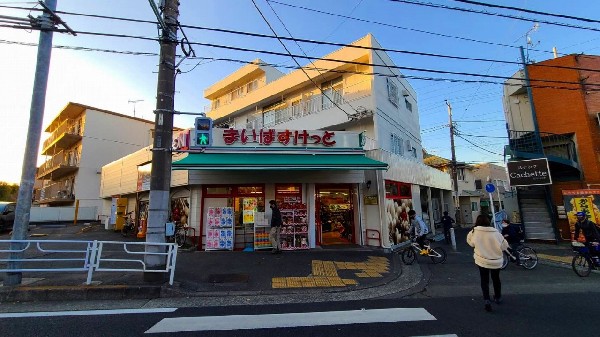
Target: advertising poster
{"points": [[249, 209], [219, 229], [587, 201]]}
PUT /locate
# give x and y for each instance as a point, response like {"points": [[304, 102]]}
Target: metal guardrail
{"points": [[87, 256]]}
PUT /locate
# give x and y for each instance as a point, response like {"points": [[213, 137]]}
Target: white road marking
{"points": [[85, 312], [241, 322]]}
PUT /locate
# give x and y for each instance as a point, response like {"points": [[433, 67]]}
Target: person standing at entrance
{"points": [[276, 223], [489, 245], [447, 222]]}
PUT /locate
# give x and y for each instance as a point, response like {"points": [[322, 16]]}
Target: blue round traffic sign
{"points": [[490, 188]]}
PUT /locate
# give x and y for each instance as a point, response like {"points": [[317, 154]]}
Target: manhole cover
{"points": [[228, 278]]}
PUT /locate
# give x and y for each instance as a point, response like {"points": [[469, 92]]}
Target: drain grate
{"points": [[228, 278]]}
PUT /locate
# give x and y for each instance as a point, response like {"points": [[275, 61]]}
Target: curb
{"points": [[85, 292]]}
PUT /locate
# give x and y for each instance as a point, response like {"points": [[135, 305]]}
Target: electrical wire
{"points": [[527, 11]]}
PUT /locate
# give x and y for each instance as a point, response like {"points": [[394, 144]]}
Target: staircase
{"points": [[535, 215]]}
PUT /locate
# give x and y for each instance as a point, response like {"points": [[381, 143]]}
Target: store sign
{"points": [[587, 201], [181, 141], [283, 137], [529, 172]]}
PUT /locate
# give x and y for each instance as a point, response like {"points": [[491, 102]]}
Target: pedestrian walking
{"points": [[447, 222], [489, 245], [276, 223]]}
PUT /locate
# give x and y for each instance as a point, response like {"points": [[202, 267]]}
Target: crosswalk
{"points": [[291, 320]]}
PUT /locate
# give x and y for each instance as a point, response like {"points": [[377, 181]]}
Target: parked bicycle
{"points": [[583, 261], [129, 227], [527, 257], [180, 235], [409, 254]]}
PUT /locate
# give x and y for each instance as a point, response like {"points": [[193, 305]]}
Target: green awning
{"points": [[271, 161]]}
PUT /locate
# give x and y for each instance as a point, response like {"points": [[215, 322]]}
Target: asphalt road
{"points": [[521, 315]]}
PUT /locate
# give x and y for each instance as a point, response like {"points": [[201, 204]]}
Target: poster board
{"points": [[219, 229], [587, 201]]}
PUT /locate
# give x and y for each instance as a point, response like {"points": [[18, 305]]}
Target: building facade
{"points": [[336, 146], [561, 124], [81, 140]]}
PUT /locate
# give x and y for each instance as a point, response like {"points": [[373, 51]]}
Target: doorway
{"points": [[335, 215]]}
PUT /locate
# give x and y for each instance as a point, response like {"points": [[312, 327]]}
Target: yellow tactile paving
{"points": [[325, 273], [563, 259]]}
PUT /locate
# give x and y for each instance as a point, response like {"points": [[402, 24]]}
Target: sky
{"points": [[111, 81]]}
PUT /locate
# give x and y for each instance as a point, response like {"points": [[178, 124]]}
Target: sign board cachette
{"points": [[529, 172]]}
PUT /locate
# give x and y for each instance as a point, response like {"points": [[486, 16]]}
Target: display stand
{"points": [[219, 229], [261, 232], [294, 232]]}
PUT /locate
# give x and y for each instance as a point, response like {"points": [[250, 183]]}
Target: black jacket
{"points": [[276, 218], [513, 233], [447, 221], [590, 231]]}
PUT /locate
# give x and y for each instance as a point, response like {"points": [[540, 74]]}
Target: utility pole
{"points": [[34, 132], [160, 176], [454, 175]]}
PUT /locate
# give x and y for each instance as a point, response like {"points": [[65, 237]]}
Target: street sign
{"points": [[490, 188], [529, 172]]}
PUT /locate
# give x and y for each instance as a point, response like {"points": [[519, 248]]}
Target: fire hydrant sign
{"points": [[529, 172]]}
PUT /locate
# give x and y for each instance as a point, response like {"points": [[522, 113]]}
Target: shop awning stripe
{"points": [[270, 161]]}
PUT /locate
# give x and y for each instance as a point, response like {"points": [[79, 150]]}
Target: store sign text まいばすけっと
{"points": [[283, 137], [529, 172]]}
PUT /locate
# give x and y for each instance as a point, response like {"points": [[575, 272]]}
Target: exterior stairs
{"points": [[535, 216]]}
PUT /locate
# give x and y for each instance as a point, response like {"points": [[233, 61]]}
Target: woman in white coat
{"points": [[489, 245]]}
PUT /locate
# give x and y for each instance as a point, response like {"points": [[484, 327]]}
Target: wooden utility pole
{"points": [[160, 176], [453, 167]]}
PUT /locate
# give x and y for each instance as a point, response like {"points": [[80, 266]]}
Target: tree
{"points": [[8, 192]]}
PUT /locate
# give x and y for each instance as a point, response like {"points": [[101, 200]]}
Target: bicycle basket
{"points": [[579, 247]]}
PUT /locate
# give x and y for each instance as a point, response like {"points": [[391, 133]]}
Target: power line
{"points": [[477, 146], [530, 11], [461, 9], [400, 27]]}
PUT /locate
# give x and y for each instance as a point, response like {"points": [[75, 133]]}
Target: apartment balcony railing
{"points": [[58, 193], [66, 135], [234, 95], [559, 149], [60, 165], [299, 109]]}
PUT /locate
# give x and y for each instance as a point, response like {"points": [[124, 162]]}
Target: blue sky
{"points": [[109, 81]]}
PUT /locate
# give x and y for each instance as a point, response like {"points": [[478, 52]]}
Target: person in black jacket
{"points": [[590, 232], [511, 233], [447, 222], [276, 223]]}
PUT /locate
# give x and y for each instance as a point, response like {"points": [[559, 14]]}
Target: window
{"points": [[392, 92], [396, 190], [332, 92], [478, 185], [396, 146], [460, 174], [414, 152], [288, 193], [237, 93], [474, 206], [408, 104], [216, 103], [252, 86]]}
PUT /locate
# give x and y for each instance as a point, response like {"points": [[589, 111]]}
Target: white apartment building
{"points": [[338, 147], [83, 139]]}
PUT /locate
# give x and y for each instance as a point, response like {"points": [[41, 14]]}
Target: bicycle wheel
{"points": [[408, 255], [125, 230], [437, 255], [180, 237], [528, 257], [581, 265], [505, 260]]}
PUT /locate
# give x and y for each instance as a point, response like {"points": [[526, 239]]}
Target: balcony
{"points": [[67, 134], [60, 193], [558, 149], [60, 165]]}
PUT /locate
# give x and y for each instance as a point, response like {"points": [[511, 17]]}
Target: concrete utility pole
{"points": [[34, 132], [454, 174], [160, 176]]}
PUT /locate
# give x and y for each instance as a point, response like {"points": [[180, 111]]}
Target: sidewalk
{"points": [[319, 273]]}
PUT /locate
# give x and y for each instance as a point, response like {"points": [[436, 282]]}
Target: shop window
{"points": [[288, 193], [394, 189]]}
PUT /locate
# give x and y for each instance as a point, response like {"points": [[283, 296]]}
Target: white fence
{"points": [[86, 256], [61, 214]]}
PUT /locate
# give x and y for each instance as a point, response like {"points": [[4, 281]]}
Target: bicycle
{"points": [[179, 235], [527, 257], [409, 254], [129, 227], [583, 262]]}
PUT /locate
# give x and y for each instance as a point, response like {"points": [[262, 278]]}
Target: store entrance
{"points": [[335, 214]]}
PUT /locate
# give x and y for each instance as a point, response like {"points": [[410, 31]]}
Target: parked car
{"points": [[7, 214]]}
